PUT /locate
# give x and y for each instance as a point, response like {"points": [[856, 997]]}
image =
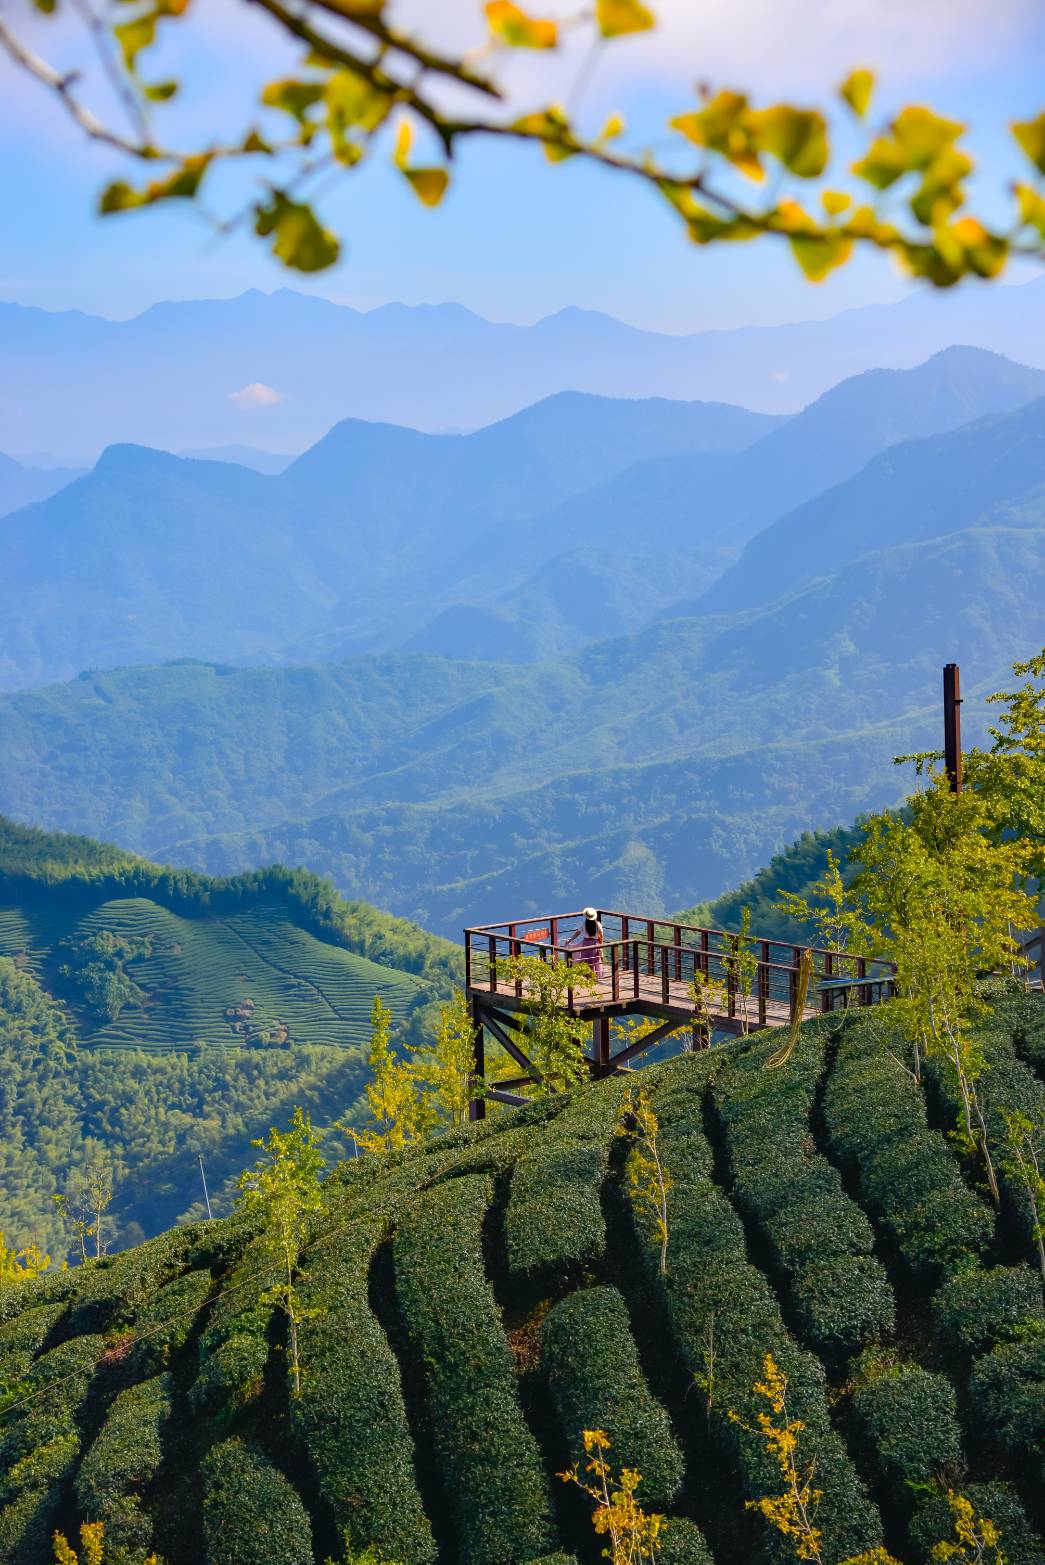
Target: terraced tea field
{"points": [[474, 1304], [221, 982]]}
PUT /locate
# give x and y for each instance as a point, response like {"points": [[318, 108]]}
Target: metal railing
{"points": [[663, 962]]}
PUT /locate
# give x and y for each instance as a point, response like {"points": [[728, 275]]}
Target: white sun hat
{"points": [[590, 912]]}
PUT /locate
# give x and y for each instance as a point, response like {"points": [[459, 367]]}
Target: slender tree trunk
{"points": [[292, 1330]]}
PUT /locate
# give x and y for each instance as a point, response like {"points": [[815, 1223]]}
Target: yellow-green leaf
{"points": [[510, 23], [940, 194], [616, 17], [798, 137], [135, 35], [429, 184], [404, 141], [921, 135], [293, 97], [882, 164], [160, 92], [182, 184], [724, 125], [835, 202], [1031, 136], [552, 127], [613, 128], [253, 141], [1031, 207], [298, 237], [820, 254], [857, 89]]}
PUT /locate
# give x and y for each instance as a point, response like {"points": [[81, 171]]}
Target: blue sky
{"points": [[516, 239]]}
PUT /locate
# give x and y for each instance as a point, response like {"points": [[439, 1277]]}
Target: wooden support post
{"points": [[826, 1000], [952, 726], [678, 954], [477, 1105], [763, 984], [600, 1045], [492, 956]]}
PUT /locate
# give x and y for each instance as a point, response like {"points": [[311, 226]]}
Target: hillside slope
{"points": [[473, 1305], [149, 1015]]}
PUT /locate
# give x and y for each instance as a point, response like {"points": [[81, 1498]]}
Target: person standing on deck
{"points": [[587, 941]]}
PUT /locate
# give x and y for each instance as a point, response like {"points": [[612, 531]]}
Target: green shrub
{"points": [[683, 1544], [250, 1511], [350, 1415], [820, 1239], [1000, 1503], [591, 1364], [842, 1304], [908, 1423], [554, 1218], [978, 1309], [48, 1288], [39, 1443], [908, 1177], [233, 1348], [112, 1289], [714, 1294], [494, 1481], [163, 1325], [1007, 1392], [122, 1460], [21, 1340]]}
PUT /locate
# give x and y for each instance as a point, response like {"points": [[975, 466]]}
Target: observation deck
{"points": [[649, 967]]}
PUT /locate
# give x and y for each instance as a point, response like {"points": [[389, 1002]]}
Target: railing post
{"points": [[731, 986], [678, 953], [614, 972], [635, 965], [827, 995], [665, 981], [467, 959], [861, 972], [492, 939], [515, 949], [705, 948], [569, 992], [792, 989], [555, 938], [650, 941], [763, 984]]}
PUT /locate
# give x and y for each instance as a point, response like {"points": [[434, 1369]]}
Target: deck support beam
{"points": [[476, 1104]]}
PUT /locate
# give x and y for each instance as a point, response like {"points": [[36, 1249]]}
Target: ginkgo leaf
{"points": [[857, 89], [299, 238], [182, 184], [835, 202], [613, 127], [1031, 136], [1031, 207], [798, 137], [429, 184], [293, 97], [617, 17], [512, 26]]}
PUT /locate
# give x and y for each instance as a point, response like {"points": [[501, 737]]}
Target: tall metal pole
{"points": [[952, 726], [206, 1197]]}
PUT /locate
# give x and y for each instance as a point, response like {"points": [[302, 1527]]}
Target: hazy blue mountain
{"points": [[243, 456], [671, 525], [22, 485], [646, 768], [152, 557], [186, 374], [992, 470]]}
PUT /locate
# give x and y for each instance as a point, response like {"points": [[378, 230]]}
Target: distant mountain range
{"points": [[22, 484], [277, 370], [652, 768], [579, 518]]}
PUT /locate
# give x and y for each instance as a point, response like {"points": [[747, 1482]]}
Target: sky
{"points": [[515, 239]]}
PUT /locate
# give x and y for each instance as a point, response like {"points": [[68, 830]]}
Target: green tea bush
{"points": [[39, 1443], [907, 1420], [682, 1543], [554, 1218], [121, 1462], [908, 1177], [250, 1511], [491, 1468], [979, 1309], [591, 1364], [233, 1348], [725, 1320], [22, 1338], [999, 1502], [819, 1239], [112, 1289], [350, 1416], [163, 1325], [48, 1288], [1007, 1393]]}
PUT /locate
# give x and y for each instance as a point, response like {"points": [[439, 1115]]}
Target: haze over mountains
{"points": [[652, 766], [277, 370], [576, 519]]}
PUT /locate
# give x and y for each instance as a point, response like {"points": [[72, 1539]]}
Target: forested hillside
{"points": [[149, 1014], [468, 1308]]}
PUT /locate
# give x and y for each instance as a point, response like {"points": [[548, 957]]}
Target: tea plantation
{"points": [[472, 1305]]}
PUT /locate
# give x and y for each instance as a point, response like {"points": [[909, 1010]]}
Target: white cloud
{"points": [[256, 395]]}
